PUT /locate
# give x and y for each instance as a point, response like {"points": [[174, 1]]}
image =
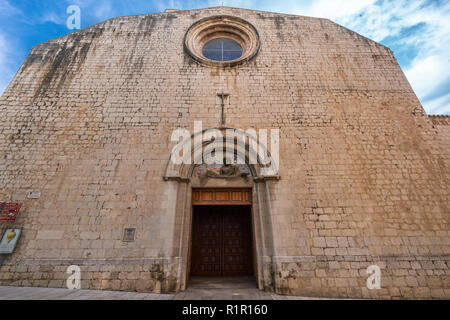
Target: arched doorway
{"points": [[183, 182]]}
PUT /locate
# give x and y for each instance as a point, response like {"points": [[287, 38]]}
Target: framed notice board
{"points": [[9, 240]]}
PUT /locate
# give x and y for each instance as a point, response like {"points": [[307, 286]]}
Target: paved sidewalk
{"points": [[31, 293], [199, 289]]}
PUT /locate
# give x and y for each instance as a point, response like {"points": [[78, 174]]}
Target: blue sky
{"points": [[418, 31]]}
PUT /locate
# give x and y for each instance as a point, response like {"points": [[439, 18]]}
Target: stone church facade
{"points": [[363, 172]]}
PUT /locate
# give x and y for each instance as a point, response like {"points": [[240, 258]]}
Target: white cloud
{"points": [[54, 18], [6, 70], [6, 9], [426, 73], [337, 8], [440, 105], [103, 11]]}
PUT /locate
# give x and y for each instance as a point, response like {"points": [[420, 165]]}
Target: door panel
{"points": [[237, 249], [207, 240], [222, 242]]}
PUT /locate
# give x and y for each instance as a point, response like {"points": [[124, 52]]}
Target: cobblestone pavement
{"points": [[199, 289]]}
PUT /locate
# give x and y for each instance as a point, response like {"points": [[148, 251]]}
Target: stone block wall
{"points": [[364, 171]]}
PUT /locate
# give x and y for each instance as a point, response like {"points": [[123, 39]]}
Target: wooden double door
{"points": [[222, 241]]}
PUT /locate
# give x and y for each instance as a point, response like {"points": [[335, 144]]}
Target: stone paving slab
{"points": [[33, 293], [199, 289]]}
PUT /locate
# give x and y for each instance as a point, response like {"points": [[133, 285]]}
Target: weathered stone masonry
{"points": [[364, 171]]}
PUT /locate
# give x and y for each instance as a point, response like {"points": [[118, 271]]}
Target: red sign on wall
{"points": [[9, 211]]}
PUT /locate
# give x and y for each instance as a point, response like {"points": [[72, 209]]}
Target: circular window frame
{"points": [[223, 48], [214, 27]]}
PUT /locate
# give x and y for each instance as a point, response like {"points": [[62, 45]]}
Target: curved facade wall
{"points": [[363, 172]]}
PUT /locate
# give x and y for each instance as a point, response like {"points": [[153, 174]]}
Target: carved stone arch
{"points": [[178, 172]]}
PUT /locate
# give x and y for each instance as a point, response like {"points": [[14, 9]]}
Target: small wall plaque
{"points": [[34, 195], [129, 234]]}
